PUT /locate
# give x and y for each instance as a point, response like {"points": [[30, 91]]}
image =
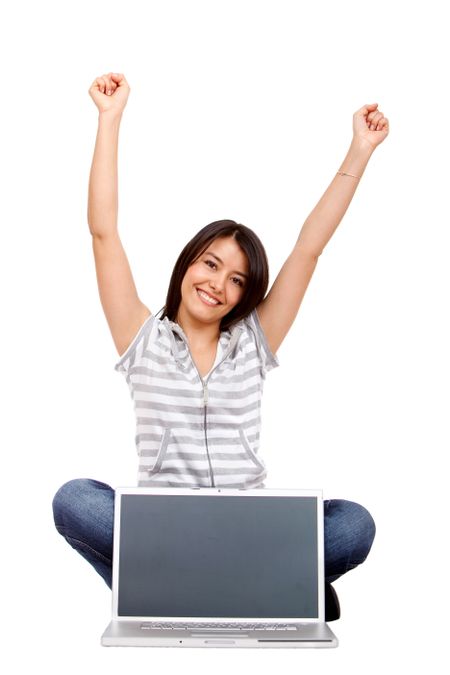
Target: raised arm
{"points": [[124, 311], [280, 306]]}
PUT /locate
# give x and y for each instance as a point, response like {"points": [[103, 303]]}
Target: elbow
{"points": [[308, 252]]}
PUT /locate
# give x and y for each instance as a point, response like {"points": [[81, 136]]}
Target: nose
{"points": [[217, 285], [216, 290]]}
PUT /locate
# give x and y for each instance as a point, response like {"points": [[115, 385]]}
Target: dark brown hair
{"points": [[258, 268]]}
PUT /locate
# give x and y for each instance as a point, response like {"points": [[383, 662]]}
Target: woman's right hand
{"points": [[110, 92]]}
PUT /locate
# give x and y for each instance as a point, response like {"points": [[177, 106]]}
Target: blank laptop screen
{"points": [[221, 556]]}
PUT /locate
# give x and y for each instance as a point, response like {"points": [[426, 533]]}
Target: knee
{"points": [[69, 497], [364, 529], [64, 499], [357, 527]]}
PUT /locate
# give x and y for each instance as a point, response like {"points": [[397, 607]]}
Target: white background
{"points": [[238, 110]]}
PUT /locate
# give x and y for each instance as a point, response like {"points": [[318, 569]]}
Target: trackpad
{"points": [[215, 634]]}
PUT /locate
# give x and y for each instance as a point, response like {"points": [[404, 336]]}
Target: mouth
{"points": [[208, 300]]}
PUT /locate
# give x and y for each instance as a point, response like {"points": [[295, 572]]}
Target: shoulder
{"points": [[150, 331], [252, 328]]}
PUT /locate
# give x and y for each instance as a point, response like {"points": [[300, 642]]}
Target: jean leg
{"points": [[83, 511], [349, 534]]}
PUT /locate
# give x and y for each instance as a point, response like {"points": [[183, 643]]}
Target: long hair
{"points": [[258, 269]]}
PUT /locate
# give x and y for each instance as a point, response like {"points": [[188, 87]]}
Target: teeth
{"points": [[207, 298]]}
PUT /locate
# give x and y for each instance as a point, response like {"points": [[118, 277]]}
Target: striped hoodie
{"points": [[193, 431]]}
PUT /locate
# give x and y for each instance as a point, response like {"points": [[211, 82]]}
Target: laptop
{"points": [[218, 567]]}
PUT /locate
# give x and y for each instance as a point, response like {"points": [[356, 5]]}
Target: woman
{"points": [[218, 325]]}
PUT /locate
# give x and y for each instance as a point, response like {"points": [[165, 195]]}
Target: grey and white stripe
{"points": [[191, 431]]}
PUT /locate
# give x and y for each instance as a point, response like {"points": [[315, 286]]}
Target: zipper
{"points": [[205, 400], [205, 404]]}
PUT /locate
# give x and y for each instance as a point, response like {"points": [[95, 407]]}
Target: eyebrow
{"points": [[221, 261]]}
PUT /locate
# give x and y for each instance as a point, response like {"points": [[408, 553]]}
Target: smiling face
{"points": [[219, 272]]}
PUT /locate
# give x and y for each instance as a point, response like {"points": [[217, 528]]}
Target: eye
{"points": [[239, 281]]}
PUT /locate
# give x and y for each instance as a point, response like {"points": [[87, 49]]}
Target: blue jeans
{"points": [[83, 510]]}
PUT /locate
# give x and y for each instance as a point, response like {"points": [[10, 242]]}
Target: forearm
{"points": [[322, 222], [103, 181]]}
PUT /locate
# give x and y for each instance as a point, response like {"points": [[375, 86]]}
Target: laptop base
{"points": [[130, 634]]}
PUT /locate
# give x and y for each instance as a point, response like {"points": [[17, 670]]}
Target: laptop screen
{"points": [[218, 556]]}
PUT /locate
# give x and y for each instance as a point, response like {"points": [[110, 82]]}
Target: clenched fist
{"points": [[370, 125], [110, 92]]}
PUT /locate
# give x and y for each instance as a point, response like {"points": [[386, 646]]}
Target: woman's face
{"points": [[220, 272]]}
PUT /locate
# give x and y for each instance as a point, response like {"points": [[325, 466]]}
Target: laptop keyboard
{"points": [[155, 625]]}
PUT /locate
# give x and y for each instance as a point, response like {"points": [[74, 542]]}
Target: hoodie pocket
{"points": [[161, 452], [251, 455]]}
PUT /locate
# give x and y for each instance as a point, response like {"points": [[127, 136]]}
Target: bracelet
{"points": [[342, 173]]}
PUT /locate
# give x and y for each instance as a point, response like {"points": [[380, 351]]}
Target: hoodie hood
{"points": [[174, 328]]}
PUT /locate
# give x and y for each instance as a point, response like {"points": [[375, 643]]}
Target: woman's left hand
{"points": [[369, 124]]}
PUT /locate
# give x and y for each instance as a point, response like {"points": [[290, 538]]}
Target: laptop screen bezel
{"points": [[219, 492]]}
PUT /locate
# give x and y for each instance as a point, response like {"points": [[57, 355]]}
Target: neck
{"points": [[198, 332]]}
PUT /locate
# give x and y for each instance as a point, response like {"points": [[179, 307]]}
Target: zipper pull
{"points": [[205, 394]]}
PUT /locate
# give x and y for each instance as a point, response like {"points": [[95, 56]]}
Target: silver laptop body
{"points": [[218, 567]]}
